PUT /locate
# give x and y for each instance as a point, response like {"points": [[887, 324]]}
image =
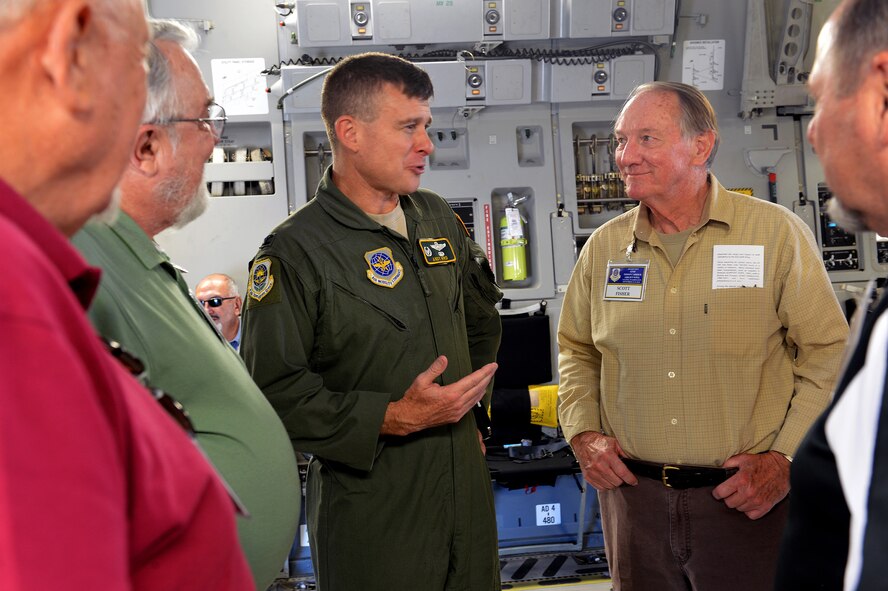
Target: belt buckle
{"points": [[665, 477]]}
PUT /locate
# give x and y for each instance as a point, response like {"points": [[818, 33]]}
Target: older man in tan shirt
{"points": [[700, 338]]}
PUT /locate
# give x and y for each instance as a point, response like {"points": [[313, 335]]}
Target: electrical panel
{"points": [[456, 84], [611, 79], [882, 250], [583, 19], [448, 78], [383, 22], [497, 82], [514, 20], [465, 209], [839, 246]]}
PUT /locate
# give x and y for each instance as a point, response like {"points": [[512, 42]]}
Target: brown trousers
{"points": [[662, 539]]}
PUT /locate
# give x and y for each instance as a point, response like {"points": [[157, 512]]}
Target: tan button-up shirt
{"points": [[693, 374]]}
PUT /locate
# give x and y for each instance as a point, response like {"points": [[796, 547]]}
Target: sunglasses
{"points": [[215, 302], [137, 368]]}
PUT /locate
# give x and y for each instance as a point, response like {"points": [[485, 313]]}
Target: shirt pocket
{"points": [[740, 321]]}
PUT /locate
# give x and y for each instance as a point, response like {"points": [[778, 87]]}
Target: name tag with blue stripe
{"points": [[625, 282]]}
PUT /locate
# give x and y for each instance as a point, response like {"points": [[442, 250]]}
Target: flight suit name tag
{"points": [[437, 251], [625, 282]]}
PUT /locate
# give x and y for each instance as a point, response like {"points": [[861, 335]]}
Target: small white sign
{"points": [[549, 514], [703, 64], [239, 86], [738, 265], [303, 535]]}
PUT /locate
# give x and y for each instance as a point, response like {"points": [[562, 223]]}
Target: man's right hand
{"points": [[599, 457], [427, 404]]}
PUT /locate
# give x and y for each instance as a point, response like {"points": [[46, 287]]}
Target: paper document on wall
{"points": [[703, 64], [239, 86], [738, 265]]}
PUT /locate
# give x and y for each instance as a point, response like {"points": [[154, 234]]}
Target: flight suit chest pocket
{"points": [[356, 326], [358, 311], [445, 280]]}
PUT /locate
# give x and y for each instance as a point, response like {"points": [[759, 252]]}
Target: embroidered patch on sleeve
{"points": [[262, 283]]}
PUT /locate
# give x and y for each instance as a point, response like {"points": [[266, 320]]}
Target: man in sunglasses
{"points": [[98, 487], [145, 305], [219, 296]]}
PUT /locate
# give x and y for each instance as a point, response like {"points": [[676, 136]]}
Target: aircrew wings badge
{"points": [[261, 279], [384, 270]]}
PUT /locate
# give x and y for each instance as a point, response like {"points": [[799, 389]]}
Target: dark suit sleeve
{"points": [[874, 572]]}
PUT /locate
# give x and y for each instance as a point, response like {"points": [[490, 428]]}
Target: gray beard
{"points": [[172, 193], [195, 207], [847, 219]]}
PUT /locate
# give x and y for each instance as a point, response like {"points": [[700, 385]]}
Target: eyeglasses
{"points": [[137, 368], [215, 302], [214, 121]]}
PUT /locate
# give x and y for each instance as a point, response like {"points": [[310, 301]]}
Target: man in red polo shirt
{"points": [[99, 488]]}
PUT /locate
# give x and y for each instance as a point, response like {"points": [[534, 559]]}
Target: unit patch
{"points": [[261, 279], [437, 251], [384, 270]]}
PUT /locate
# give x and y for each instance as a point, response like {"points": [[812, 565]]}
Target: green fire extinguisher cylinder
{"points": [[513, 246]]}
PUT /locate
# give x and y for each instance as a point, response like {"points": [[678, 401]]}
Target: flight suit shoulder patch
{"points": [[263, 288]]}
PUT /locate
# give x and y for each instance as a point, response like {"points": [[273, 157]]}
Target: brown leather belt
{"points": [[679, 476]]}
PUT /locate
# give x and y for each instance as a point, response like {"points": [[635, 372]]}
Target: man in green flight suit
{"points": [[370, 326]]}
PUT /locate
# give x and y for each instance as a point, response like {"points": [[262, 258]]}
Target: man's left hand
{"points": [[761, 482]]}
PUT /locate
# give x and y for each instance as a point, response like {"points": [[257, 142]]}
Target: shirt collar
{"points": [[343, 209], [717, 208], [82, 278], [235, 342], [143, 247]]}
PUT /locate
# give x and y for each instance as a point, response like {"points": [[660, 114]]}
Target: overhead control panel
{"points": [[510, 20], [344, 23], [325, 23]]}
